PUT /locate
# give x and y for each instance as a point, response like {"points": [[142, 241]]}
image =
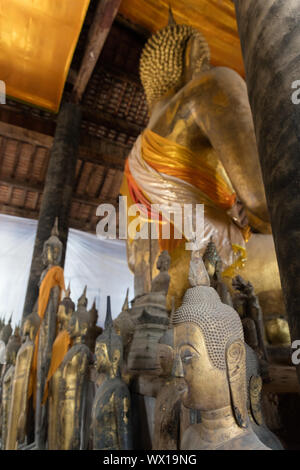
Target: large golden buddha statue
{"points": [[198, 148], [211, 356]]}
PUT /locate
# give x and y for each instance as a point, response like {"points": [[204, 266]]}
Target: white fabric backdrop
{"points": [[99, 264]]}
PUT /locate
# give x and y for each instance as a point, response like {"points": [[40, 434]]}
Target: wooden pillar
{"points": [[57, 194], [270, 35]]}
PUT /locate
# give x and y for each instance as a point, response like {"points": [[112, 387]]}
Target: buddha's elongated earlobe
{"points": [[236, 369]]}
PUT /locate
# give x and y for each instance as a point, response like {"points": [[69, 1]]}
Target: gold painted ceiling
{"points": [[214, 18], [37, 42]]}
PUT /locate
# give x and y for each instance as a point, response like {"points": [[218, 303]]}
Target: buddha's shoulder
{"points": [[217, 78]]}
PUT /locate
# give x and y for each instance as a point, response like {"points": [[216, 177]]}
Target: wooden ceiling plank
{"points": [[104, 16], [38, 187]]}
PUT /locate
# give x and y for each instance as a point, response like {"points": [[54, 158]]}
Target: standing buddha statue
{"points": [[111, 416], [199, 148], [18, 411], [51, 285], [73, 380], [60, 348]]}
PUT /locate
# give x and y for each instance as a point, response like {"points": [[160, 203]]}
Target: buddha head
{"points": [[210, 353], [171, 57], [109, 348], [79, 321], [13, 347], [164, 261], [65, 309], [52, 249], [30, 326]]}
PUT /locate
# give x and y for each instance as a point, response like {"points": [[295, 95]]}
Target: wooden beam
{"points": [[103, 19], [39, 187], [92, 149], [112, 122]]}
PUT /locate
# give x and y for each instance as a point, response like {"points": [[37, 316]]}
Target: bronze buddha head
{"points": [[164, 261], [109, 348], [52, 249], [210, 353]]}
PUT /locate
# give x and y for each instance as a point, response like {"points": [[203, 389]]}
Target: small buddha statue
{"points": [[211, 356], [111, 415], [161, 282], [13, 346], [60, 348], [94, 330], [251, 309], [17, 416], [124, 326], [73, 380], [51, 286]]}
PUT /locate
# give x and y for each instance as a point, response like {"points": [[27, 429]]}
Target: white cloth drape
{"points": [[99, 264]]}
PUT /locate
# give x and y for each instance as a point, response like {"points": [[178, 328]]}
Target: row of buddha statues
{"points": [[67, 384]]}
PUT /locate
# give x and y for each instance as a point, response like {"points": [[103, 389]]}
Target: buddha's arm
{"points": [[221, 108]]}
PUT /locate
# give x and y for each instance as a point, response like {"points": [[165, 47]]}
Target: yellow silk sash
{"points": [[59, 350]]}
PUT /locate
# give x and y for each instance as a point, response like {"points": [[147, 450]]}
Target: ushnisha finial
{"points": [[108, 319], [54, 231], [82, 300], [172, 21], [198, 275], [126, 303]]}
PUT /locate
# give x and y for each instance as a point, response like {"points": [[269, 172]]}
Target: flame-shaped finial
{"points": [[54, 231], [172, 21], [108, 319]]}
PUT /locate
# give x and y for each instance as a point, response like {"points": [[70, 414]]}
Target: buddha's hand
{"points": [[238, 214]]}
